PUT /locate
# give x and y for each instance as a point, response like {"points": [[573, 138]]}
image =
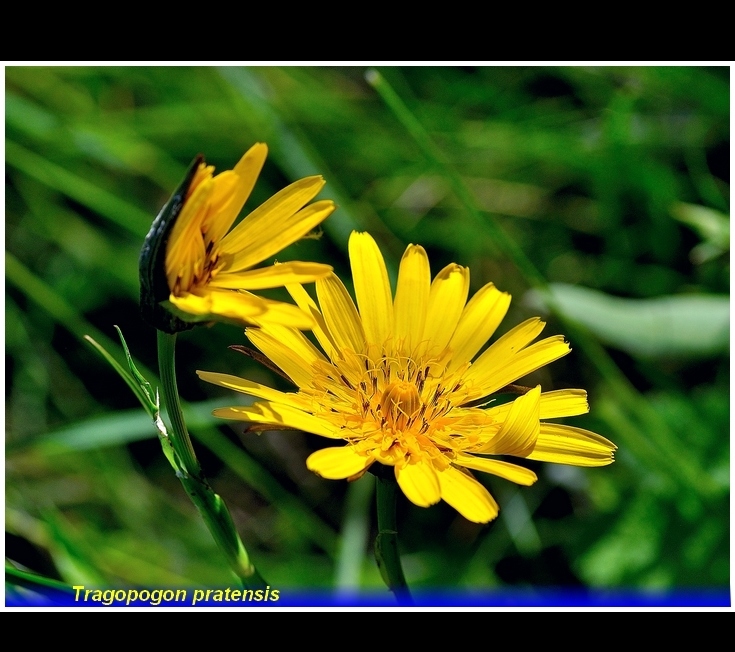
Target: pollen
{"points": [[399, 402]]}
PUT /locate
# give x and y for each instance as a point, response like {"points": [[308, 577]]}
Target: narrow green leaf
{"points": [[135, 385], [18, 577], [145, 386], [116, 210]]}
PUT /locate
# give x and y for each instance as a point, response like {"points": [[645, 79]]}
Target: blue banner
{"points": [[270, 598]]}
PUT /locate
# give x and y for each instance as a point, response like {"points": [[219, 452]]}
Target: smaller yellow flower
{"points": [[206, 270], [400, 383]]}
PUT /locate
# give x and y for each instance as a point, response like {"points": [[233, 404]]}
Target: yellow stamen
{"points": [[399, 402]]}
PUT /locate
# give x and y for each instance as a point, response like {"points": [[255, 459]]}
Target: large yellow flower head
{"points": [[202, 268], [397, 383]]}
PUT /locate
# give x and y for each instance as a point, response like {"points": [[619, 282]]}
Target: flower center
{"points": [[399, 402]]}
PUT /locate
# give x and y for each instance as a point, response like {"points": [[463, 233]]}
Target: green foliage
{"points": [[609, 183], [695, 325]]}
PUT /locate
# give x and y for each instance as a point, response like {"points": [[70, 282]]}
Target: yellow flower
{"points": [[398, 383], [206, 272]]}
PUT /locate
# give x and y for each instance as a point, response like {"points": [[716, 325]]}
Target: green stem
{"points": [[210, 505], [386, 543], [180, 439]]}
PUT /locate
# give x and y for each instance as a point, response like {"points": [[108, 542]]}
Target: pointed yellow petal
{"points": [[447, 299], [242, 308], [515, 340], [203, 172], [308, 305], [228, 202], [419, 482], [510, 358], [185, 251], [559, 403], [297, 368], [340, 314], [252, 389], [520, 430], [530, 359], [479, 320], [568, 445], [281, 314], [274, 276], [275, 224], [467, 496], [221, 303], [372, 288], [282, 234], [224, 188], [337, 463], [280, 415], [412, 299], [293, 340], [285, 203], [506, 470]]}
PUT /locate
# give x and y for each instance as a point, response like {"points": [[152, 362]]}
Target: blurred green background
{"points": [[613, 182]]}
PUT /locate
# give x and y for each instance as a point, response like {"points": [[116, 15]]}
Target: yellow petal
{"points": [[559, 403], [515, 340], [274, 276], [568, 445], [479, 320], [252, 389], [285, 203], [412, 299], [530, 359], [476, 417], [340, 314], [447, 298], [246, 172], [242, 308], [419, 482], [297, 368], [282, 235], [275, 224], [506, 470], [224, 188], [308, 305], [280, 415], [564, 403], [510, 359], [467, 496], [337, 463], [295, 341], [185, 251], [221, 303], [372, 288], [520, 430]]}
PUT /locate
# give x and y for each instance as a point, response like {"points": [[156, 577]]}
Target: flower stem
{"points": [[210, 505], [180, 439], [386, 543]]}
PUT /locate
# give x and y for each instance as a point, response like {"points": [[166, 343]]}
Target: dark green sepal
{"points": [[152, 263]]}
